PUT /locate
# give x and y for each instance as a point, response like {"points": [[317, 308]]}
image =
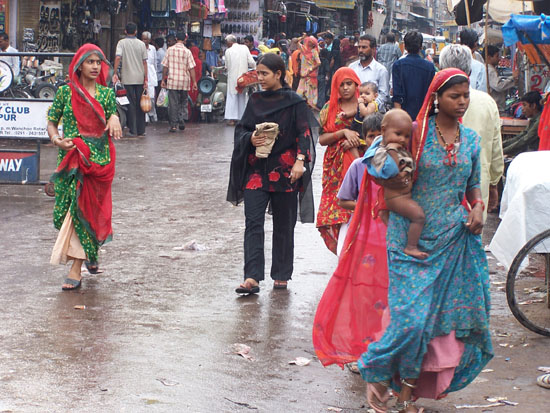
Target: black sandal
{"points": [[92, 267], [247, 288]]}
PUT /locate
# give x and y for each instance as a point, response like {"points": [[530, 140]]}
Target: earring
{"points": [[436, 106]]}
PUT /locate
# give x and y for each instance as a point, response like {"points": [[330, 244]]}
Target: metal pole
{"points": [[435, 19], [467, 6], [487, 44], [390, 7]]}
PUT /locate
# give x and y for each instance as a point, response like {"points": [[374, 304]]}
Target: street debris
{"points": [[242, 350], [168, 382], [79, 307], [544, 369], [334, 409], [487, 371], [479, 380], [300, 361], [241, 404], [191, 246], [494, 402]]}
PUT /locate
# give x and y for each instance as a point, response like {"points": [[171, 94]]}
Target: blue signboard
{"points": [[19, 166]]}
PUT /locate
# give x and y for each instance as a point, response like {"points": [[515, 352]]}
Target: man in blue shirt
{"points": [[411, 76]]}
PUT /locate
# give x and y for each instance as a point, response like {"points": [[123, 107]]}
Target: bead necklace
{"points": [[450, 148]]}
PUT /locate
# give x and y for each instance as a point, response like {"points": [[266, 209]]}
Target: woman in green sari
{"points": [[86, 162]]}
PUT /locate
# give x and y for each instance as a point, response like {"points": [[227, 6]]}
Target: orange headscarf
{"points": [[310, 43], [339, 76], [419, 136]]}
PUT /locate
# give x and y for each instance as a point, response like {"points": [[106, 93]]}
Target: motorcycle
{"points": [[212, 92]]}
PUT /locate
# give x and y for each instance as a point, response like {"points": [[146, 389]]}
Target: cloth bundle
{"points": [[270, 130]]}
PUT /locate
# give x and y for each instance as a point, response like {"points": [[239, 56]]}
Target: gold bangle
{"points": [[54, 138]]}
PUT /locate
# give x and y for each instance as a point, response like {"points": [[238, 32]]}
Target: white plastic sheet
{"points": [[525, 205]]}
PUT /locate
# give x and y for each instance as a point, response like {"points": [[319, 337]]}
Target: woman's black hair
{"points": [[457, 80], [275, 63]]}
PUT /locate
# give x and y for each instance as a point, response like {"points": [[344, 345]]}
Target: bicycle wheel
{"points": [[527, 285]]}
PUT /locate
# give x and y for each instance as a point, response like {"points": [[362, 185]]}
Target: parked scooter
{"points": [[212, 92]]}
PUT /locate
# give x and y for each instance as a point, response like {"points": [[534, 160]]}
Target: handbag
{"points": [[145, 102]]}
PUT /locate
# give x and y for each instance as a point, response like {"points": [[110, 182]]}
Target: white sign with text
{"points": [[24, 119]]}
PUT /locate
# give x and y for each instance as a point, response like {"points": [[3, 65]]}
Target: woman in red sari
{"points": [[86, 162], [337, 135], [198, 72]]}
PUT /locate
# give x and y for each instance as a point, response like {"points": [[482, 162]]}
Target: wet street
{"points": [[158, 326]]}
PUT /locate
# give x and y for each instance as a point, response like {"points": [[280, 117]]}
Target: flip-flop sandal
{"points": [[280, 285], [92, 267], [75, 284], [247, 288], [544, 381]]}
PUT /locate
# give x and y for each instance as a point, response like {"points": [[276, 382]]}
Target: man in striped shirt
{"points": [[178, 77]]}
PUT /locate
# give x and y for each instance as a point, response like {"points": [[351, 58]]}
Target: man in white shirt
{"points": [[237, 62], [12, 61], [152, 79], [369, 70]]}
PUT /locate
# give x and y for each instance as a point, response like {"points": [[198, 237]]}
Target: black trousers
{"points": [[284, 206], [136, 118]]}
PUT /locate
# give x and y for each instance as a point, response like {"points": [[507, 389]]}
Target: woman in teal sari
{"points": [[438, 339]]}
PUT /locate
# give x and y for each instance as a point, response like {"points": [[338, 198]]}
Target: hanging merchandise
{"points": [[49, 26], [243, 18]]}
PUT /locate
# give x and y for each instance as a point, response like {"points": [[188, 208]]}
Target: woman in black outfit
{"points": [[276, 179]]}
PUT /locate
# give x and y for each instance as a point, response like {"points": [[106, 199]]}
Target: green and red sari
{"points": [[84, 174]]}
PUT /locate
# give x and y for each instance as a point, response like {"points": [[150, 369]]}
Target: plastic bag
{"points": [[162, 99], [353, 311]]}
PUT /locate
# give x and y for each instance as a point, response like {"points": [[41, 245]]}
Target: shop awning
{"points": [[334, 4]]}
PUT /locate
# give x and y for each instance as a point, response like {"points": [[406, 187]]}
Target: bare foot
{"points": [[415, 252]]}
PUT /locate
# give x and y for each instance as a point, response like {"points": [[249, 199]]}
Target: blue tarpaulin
{"points": [[536, 27]]}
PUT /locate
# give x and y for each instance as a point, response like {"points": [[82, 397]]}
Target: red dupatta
{"points": [[198, 72], [353, 311], [544, 126], [93, 187], [421, 132]]}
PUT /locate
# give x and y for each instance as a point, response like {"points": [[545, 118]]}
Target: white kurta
{"points": [[152, 80], [237, 62]]}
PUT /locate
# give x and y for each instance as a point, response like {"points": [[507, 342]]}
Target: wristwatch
{"points": [[301, 158]]}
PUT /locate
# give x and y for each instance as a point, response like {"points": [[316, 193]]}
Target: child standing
{"points": [[387, 157], [351, 185]]}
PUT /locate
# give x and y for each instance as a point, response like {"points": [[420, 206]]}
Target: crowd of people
{"points": [[412, 149]]}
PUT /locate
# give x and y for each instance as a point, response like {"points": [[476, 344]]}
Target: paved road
{"points": [[159, 324]]}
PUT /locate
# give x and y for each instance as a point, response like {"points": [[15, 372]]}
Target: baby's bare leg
{"points": [[409, 208]]}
